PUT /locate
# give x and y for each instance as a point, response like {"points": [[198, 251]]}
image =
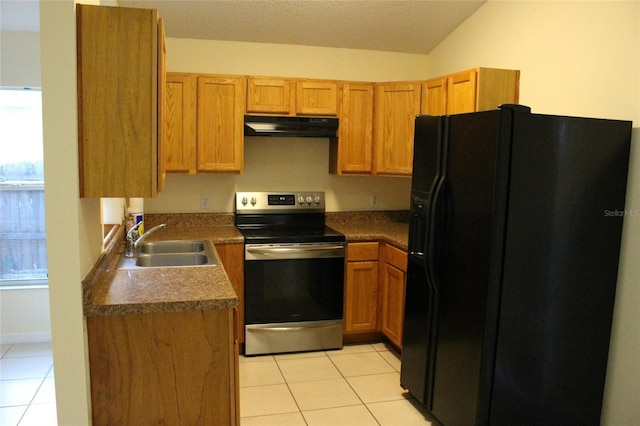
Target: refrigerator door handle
{"points": [[432, 232]]}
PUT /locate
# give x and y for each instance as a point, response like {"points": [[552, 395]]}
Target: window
{"points": [[23, 256]]}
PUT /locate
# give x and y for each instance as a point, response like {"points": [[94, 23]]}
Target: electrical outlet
{"points": [[204, 202], [374, 199]]}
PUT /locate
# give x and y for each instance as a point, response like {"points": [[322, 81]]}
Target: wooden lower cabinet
{"points": [[375, 284], [393, 278], [361, 288], [177, 368], [232, 259]]}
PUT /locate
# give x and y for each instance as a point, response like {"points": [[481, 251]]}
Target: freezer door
{"points": [[420, 300]]}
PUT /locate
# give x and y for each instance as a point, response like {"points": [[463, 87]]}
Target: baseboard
{"points": [[11, 338]]}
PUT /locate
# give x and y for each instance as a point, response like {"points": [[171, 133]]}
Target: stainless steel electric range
{"points": [[294, 272]]}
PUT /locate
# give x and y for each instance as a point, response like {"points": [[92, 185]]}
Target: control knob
{"points": [[244, 201], [300, 199], [309, 199], [316, 199], [253, 201]]}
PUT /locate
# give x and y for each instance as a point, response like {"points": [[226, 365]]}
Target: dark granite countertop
{"points": [[110, 291], [391, 227]]}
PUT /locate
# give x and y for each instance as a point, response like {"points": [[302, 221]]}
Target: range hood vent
{"points": [[306, 127]]}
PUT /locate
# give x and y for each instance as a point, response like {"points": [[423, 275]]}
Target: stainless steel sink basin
{"points": [[171, 259], [170, 254], [176, 246]]}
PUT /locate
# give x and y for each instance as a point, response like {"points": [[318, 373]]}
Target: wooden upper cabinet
{"points": [[434, 96], [180, 122], [351, 153], [220, 123], [291, 96], [461, 92], [162, 84], [316, 97], [118, 78], [396, 106], [482, 89], [496, 87], [269, 95]]}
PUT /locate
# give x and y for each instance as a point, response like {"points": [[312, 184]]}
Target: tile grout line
{"points": [[42, 379], [286, 382], [354, 391]]}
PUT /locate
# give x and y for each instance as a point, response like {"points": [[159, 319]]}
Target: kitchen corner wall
{"points": [[286, 163]]}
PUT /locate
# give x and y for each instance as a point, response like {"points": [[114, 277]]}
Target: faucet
{"points": [[134, 238]]}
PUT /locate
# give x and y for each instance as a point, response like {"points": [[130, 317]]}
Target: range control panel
{"points": [[264, 202]]}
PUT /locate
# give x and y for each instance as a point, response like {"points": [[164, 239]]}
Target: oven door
{"points": [[293, 297]]}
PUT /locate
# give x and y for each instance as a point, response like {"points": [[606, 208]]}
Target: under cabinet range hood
{"points": [[309, 127]]}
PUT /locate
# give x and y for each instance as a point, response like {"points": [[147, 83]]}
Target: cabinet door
{"points": [[163, 368], [220, 127], [180, 123], [351, 153], [397, 105], [361, 297], [269, 95], [393, 291], [317, 98], [117, 101], [434, 97], [461, 92]]}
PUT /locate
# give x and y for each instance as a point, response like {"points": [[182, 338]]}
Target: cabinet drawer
{"points": [[362, 251], [396, 257]]}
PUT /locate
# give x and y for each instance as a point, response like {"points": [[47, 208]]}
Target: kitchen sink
{"points": [[171, 259], [176, 246], [170, 254]]}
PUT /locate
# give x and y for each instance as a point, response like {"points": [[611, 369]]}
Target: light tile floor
{"points": [[358, 385], [27, 391]]}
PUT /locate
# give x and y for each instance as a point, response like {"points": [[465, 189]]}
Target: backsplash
{"points": [[281, 164], [226, 219]]}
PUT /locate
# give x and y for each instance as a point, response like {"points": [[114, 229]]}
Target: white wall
{"points": [[286, 163], [576, 58], [74, 237], [24, 315]]}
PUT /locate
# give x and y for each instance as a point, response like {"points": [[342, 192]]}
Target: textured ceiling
{"points": [[409, 26]]}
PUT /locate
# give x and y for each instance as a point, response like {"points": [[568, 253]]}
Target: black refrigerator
{"points": [[516, 222]]}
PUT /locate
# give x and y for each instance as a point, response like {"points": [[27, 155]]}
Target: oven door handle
{"points": [[310, 249], [294, 252], [307, 326]]}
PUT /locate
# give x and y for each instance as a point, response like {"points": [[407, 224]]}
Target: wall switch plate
{"points": [[205, 204]]}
